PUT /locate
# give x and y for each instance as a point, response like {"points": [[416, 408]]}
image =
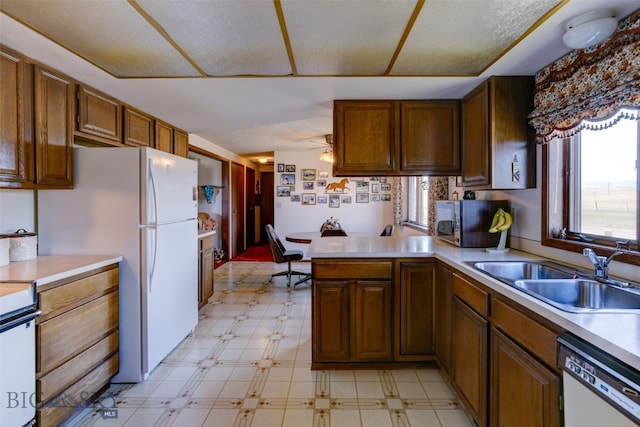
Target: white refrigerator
{"points": [[140, 203]]}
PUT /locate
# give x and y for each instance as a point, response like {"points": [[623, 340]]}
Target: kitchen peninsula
{"points": [[394, 301]]}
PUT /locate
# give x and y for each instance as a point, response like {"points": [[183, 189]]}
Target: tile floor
{"points": [[248, 364]]}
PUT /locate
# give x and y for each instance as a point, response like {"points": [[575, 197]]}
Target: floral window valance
{"points": [[593, 84]]}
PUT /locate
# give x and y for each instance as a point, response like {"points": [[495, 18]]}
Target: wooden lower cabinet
{"points": [[470, 359], [76, 342], [444, 319], [523, 391], [331, 321], [205, 270], [371, 320]]}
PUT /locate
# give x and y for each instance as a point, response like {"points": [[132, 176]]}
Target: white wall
{"points": [[17, 210], [292, 217]]}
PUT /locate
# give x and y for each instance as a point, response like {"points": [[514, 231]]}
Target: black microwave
{"points": [[466, 223]]}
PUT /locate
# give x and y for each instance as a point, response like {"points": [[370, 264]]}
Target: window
{"points": [[592, 190], [417, 196]]}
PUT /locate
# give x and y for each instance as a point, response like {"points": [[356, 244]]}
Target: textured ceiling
{"points": [[253, 76]]}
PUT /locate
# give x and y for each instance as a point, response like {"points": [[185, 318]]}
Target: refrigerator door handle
{"points": [[153, 193], [153, 229]]}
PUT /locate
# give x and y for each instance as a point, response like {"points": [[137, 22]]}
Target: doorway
{"points": [[266, 202]]}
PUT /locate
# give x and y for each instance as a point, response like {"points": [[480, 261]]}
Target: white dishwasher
{"points": [[599, 390]]}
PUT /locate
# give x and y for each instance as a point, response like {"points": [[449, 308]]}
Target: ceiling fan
{"points": [[327, 155]]}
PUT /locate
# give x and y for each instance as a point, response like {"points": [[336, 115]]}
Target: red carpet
{"points": [[256, 253]]}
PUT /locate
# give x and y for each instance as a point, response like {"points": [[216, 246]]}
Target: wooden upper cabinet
{"points": [[430, 137], [99, 117], [392, 137], [139, 128], [54, 113], [180, 143], [498, 151], [164, 137], [16, 149], [365, 137]]}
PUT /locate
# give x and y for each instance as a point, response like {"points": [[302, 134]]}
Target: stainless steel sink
{"points": [[563, 287], [581, 295]]}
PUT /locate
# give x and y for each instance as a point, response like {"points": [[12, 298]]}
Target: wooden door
{"points": [[266, 202], [237, 237], [416, 314], [54, 117], [523, 391], [250, 191], [470, 359], [371, 320]]}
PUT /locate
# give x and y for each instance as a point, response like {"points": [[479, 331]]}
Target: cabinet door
{"points": [[470, 359], [138, 128], [430, 138], [523, 391], [99, 116], [180, 143], [365, 137], [476, 161], [54, 113], [444, 319], [371, 320], [330, 320], [16, 151], [416, 312], [164, 137]]}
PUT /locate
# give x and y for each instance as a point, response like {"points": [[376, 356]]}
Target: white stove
{"points": [[18, 310]]}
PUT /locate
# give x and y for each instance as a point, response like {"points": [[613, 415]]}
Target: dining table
{"points": [[305, 237]]}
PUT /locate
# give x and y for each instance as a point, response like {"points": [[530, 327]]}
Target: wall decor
{"points": [[287, 179], [383, 179], [334, 201], [375, 188], [306, 185], [362, 187], [283, 191], [375, 197], [362, 197], [385, 187], [295, 197], [337, 187], [321, 199], [321, 183], [346, 199], [385, 197], [374, 179], [280, 167], [323, 174], [308, 198], [290, 168], [308, 174]]}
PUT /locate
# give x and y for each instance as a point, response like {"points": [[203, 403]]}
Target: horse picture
{"points": [[337, 186]]}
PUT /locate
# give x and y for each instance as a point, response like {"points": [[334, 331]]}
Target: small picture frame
{"points": [[374, 197], [280, 167], [308, 174], [385, 187], [321, 183], [295, 198], [321, 200], [374, 179], [290, 168], [362, 187], [375, 188], [385, 197], [283, 191], [334, 201], [308, 199], [362, 197], [288, 179], [346, 199], [383, 180], [307, 185], [323, 174]]}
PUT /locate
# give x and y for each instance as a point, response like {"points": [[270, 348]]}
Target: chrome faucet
{"points": [[601, 263]]}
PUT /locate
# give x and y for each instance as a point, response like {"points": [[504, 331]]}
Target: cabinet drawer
{"points": [[62, 298], [537, 338], [477, 298], [59, 379], [206, 243], [52, 414], [353, 270], [68, 334]]}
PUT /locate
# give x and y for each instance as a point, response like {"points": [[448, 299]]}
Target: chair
{"points": [[333, 232], [388, 230], [282, 255]]}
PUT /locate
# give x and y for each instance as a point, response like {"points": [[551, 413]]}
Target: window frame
{"points": [[603, 246], [420, 198]]}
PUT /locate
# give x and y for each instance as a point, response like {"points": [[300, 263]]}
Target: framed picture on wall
{"points": [[321, 183], [308, 174], [334, 201], [295, 198], [375, 188], [308, 198], [345, 199], [362, 187], [321, 199], [283, 191], [281, 167], [323, 174], [307, 185], [385, 197], [385, 187], [375, 197], [290, 168], [362, 197], [287, 179]]}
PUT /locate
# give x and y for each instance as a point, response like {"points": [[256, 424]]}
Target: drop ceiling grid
{"points": [[345, 38], [225, 38], [109, 34], [464, 37]]}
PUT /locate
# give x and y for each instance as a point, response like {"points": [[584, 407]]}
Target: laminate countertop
{"points": [[47, 269], [617, 334]]}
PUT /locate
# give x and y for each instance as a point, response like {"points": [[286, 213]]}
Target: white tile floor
{"points": [[248, 364]]}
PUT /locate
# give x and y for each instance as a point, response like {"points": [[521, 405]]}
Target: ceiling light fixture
{"points": [[327, 156], [590, 29], [262, 160]]}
